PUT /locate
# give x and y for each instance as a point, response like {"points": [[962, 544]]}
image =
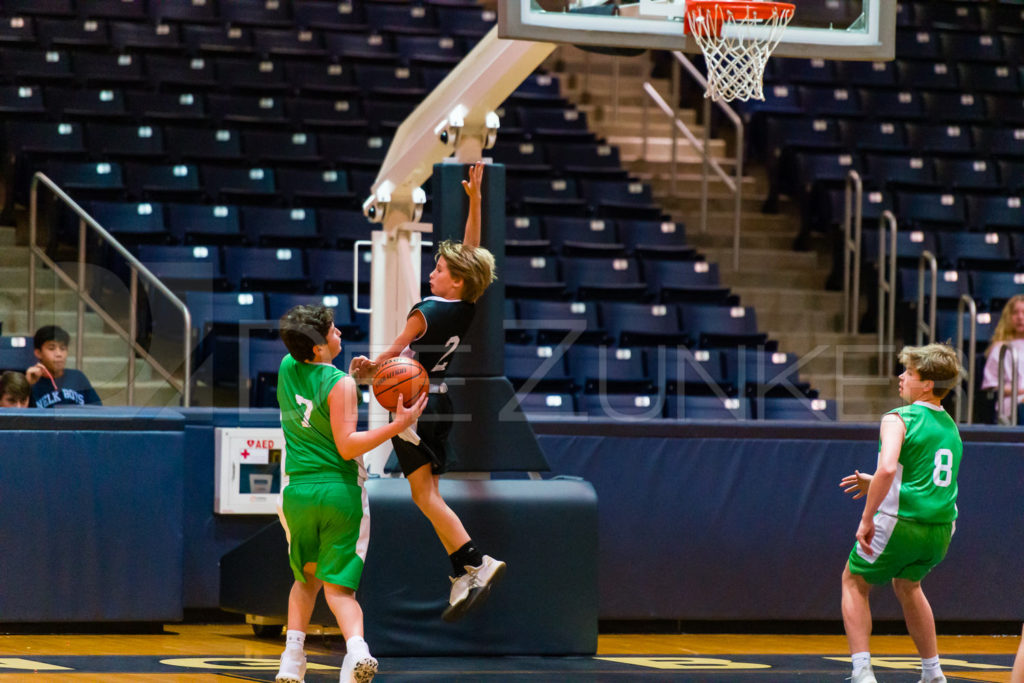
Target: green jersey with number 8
{"points": [[925, 487], [302, 394]]}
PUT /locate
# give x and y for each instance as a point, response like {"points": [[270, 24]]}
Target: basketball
{"points": [[399, 375]]}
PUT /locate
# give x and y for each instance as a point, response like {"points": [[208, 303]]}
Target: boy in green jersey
{"points": [[909, 508], [325, 510]]}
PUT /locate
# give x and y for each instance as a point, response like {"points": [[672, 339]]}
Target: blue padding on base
{"points": [[547, 604], [92, 522]]}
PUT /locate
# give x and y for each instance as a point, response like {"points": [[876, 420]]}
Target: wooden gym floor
{"points": [[219, 653]]}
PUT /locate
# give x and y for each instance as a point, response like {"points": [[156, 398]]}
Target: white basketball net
{"points": [[736, 56]]}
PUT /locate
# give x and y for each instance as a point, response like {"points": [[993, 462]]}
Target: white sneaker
{"points": [[941, 678], [358, 667], [473, 588], [293, 669], [864, 675]]}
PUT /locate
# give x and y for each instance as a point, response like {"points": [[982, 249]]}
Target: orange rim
{"points": [[741, 11]]}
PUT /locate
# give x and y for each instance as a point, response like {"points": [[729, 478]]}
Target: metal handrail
{"points": [[886, 286], [734, 185], [852, 223], [1010, 419], [972, 310], [929, 329], [86, 221]]}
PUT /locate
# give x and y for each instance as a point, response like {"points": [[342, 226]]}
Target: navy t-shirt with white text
{"points": [[73, 388]]}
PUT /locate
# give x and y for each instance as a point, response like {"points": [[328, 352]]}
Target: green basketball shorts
{"points": [[903, 549]]}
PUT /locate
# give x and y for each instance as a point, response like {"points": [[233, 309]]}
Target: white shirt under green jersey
{"points": [[302, 394], [925, 487]]}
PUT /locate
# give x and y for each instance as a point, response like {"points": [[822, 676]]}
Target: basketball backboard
{"points": [[832, 29]]}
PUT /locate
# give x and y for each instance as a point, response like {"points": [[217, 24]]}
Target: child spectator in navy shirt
{"points": [[52, 384]]}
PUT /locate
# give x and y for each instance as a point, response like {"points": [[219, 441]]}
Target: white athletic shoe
{"points": [[864, 675], [358, 667], [293, 669], [941, 678], [473, 588]]}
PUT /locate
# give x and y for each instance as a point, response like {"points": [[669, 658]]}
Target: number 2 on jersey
{"points": [[442, 363], [942, 475]]}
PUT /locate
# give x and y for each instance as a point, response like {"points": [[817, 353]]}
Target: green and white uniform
{"points": [[326, 511], [916, 519]]}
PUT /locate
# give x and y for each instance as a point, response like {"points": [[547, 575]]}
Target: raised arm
{"points": [[415, 326], [473, 188]]}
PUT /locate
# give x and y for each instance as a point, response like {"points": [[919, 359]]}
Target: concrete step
{"points": [[16, 299], [804, 321], [851, 347], [767, 300], [571, 59], [114, 369], [800, 279], [720, 221], [720, 201], [631, 148], [748, 240], [17, 321], [610, 115], [153, 394], [12, 256], [768, 259], [826, 360], [8, 236]]}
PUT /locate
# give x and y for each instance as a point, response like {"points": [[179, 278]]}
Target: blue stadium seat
{"points": [[990, 78], [107, 104], [21, 100], [172, 107], [707, 408], [523, 229], [532, 276], [603, 278], [345, 113], [341, 227], [133, 222], [564, 124], [873, 204], [33, 66], [895, 105], [984, 326], [972, 46], [799, 409], [57, 33], [470, 22], [688, 371], [957, 107], [890, 171], [229, 183], [973, 250], [368, 48], [18, 32], [134, 10], [319, 78], [867, 74], [691, 282], [273, 146], [627, 407], [311, 186], [221, 39], [83, 179], [558, 321], [995, 212], [910, 244], [994, 289], [256, 12], [718, 326], [950, 285], [655, 239], [334, 270], [222, 144], [562, 405], [288, 42], [127, 36], [871, 136], [763, 373], [224, 308], [386, 115], [1012, 175], [389, 80], [1001, 141], [621, 199], [540, 89], [202, 224], [969, 174], [194, 11], [609, 369], [402, 18], [125, 140], [263, 76], [523, 157], [1008, 109], [931, 210], [185, 268], [831, 101], [632, 324], [927, 75], [158, 182], [586, 160], [940, 139], [276, 226], [264, 109], [259, 365], [796, 71], [108, 69], [429, 49], [354, 150], [341, 16], [541, 368], [954, 15], [278, 303], [582, 236], [181, 71], [550, 196], [16, 353], [257, 268]]}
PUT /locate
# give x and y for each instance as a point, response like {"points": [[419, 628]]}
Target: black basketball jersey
{"points": [[447, 322]]}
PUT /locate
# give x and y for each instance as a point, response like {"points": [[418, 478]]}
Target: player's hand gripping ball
{"points": [[399, 375]]}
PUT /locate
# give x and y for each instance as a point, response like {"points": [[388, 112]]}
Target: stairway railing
{"points": [[136, 268]]}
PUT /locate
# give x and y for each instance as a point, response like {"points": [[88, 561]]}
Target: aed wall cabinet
{"points": [[248, 470]]}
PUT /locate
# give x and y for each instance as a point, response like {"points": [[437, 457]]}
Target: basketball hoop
{"points": [[737, 38]]}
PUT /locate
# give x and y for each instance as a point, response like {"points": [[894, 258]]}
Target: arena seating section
{"points": [[230, 144]]}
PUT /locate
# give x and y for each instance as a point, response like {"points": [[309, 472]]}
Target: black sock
{"points": [[466, 555]]}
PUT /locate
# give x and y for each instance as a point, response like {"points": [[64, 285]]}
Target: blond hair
{"points": [[937, 362], [1004, 328], [473, 265]]}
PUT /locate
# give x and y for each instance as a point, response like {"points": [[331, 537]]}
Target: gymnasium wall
{"points": [[108, 516]]}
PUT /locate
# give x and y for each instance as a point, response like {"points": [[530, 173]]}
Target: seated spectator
{"points": [[14, 390], [1009, 330], [51, 383]]}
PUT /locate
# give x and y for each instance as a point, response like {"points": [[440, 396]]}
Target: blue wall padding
{"points": [[720, 526], [547, 604], [92, 518]]}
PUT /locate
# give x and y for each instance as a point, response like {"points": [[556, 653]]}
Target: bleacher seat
{"points": [[131, 222], [532, 276], [994, 289], [763, 373], [113, 140], [537, 368], [204, 224], [582, 236], [185, 268], [799, 409], [16, 353], [714, 326], [233, 184], [543, 403], [628, 407], [688, 371], [603, 369], [693, 282], [603, 278], [707, 408], [258, 268], [334, 270], [277, 226], [162, 181], [555, 321], [632, 324]]}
